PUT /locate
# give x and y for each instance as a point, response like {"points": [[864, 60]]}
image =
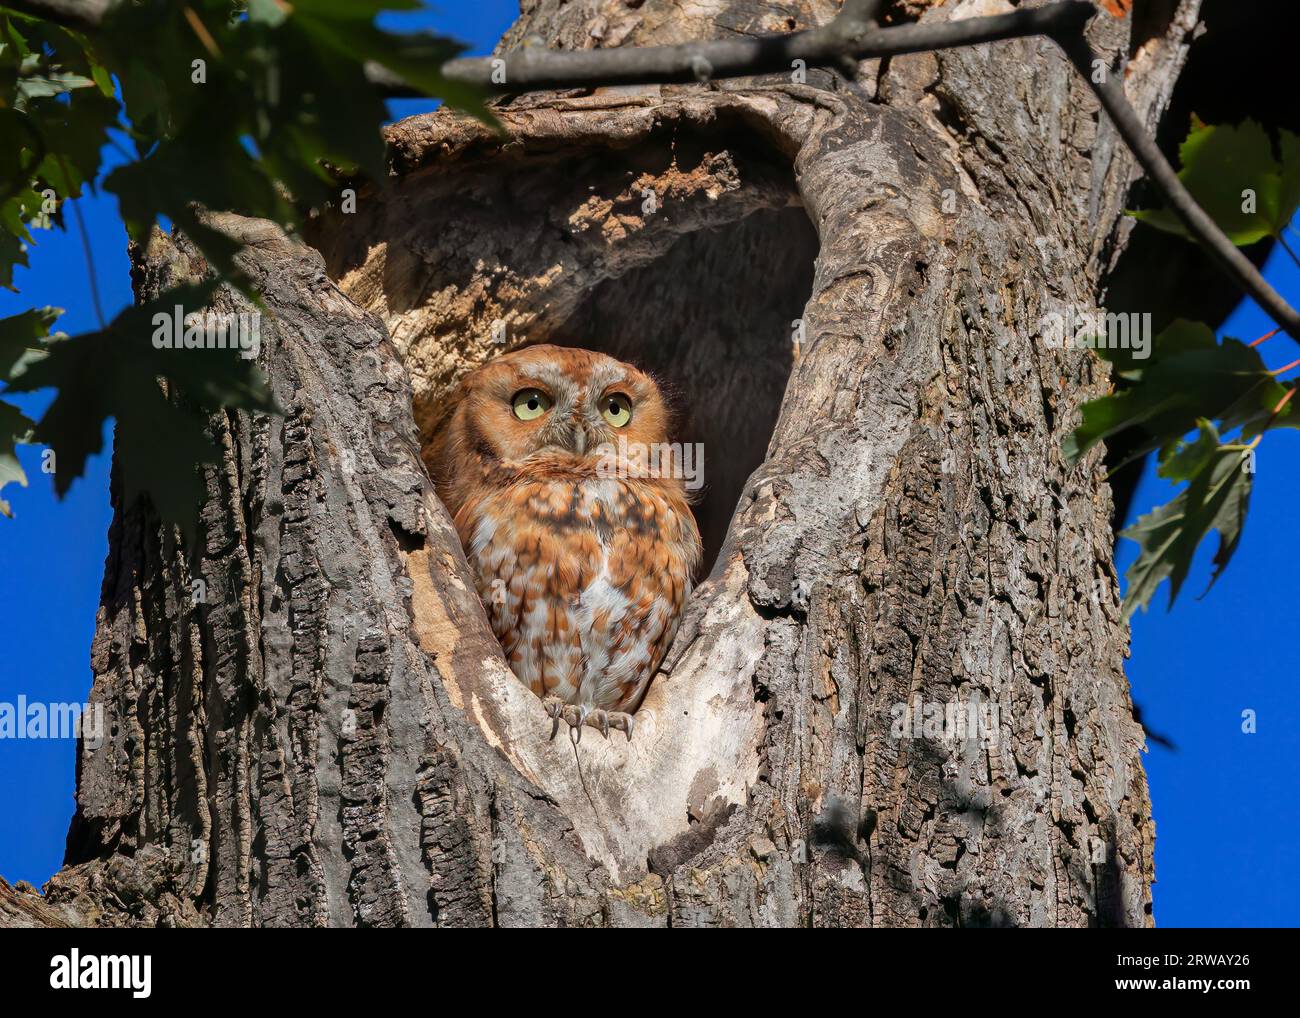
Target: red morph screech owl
{"points": [[583, 558]]}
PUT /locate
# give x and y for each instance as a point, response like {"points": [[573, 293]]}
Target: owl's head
{"points": [[550, 403]]}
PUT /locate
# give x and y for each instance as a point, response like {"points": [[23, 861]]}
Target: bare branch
{"points": [[1230, 259], [533, 69]]}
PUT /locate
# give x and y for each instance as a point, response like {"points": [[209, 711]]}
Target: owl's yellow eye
{"points": [[616, 409], [530, 404]]}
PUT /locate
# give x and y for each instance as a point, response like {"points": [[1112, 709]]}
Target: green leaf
{"points": [[115, 373], [12, 252], [314, 106], [1183, 460], [22, 211], [417, 58], [103, 79], [169, 183], [22, 338], [1220, 164], [1216, 499], [41, 86], [1185, 380], [14, 428], [73, 134], [160, 447], [151, 48]]}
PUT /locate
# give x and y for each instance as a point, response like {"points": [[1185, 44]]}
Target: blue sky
{"points": [[1226, 804]]}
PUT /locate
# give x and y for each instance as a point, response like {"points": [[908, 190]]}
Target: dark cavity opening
{"points": [[713, 320]]}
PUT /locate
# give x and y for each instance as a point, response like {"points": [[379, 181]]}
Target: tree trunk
{"points": [[842, 282]]}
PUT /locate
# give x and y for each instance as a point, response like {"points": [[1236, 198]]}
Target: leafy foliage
{"points": [[1189, 376], [1194, 389], [254, 108], [1234, 177], [115, 373], [1189, 382], [1216, 499]]}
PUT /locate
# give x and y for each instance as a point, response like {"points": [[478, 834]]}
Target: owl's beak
{"points": [[575, 437]]}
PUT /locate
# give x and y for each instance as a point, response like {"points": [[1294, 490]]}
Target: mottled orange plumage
{"points": [[583, 559]]}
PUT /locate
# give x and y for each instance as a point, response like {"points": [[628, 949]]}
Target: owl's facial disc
{"points": [[566, 415], [548, 402]]}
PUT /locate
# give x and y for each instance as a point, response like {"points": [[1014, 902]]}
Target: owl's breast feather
{"points": [[583, 581]]}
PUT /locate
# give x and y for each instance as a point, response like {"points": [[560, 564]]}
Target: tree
{"points": [[310, 720]]}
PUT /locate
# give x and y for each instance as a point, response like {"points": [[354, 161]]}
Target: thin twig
{"points": [[1287, 248], [201, 32], [1266, 336], [90, 263], [1277, 409], [85, 246]]}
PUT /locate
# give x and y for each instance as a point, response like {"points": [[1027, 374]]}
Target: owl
{"points": [[556, 467]]}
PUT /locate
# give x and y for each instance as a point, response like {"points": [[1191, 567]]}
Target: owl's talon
{"points": [[578, 716], [623, 722], [554, 706], [583, 713]]}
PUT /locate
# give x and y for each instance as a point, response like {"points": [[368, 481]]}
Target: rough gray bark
{"points": [[333, 737]]}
